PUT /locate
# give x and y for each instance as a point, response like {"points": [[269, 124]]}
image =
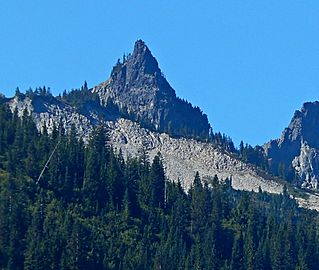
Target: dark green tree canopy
{"points": [[93, 209]]}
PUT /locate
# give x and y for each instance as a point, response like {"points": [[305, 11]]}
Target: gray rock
{"points": [[139, 88], [298, 147], [306, 166]]}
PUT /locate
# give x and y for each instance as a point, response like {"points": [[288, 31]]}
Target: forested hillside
{"points": [[91, 209]]}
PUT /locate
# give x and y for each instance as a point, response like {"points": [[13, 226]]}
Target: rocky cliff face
{"points": [[139, 88], [298, 147]]}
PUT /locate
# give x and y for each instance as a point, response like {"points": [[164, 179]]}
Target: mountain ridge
{"points": [[142, 111], [182, 157]]}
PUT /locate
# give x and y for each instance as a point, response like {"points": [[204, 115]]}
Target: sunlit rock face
{"points": [[298, 147]]}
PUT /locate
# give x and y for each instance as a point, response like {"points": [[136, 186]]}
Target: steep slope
{"points": [[296, 152], [139, 88], [142, 111], [182, 157]]}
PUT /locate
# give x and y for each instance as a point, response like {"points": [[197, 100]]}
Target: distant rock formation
{"points": [[297, 150], [141, 91]]}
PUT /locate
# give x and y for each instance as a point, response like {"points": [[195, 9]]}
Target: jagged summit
{"points": [[139, 88], [140, 69], [142, 59], [297, 150], [308, 120]]}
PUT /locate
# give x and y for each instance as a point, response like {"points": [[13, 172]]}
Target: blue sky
{"points": [[247, 64]]}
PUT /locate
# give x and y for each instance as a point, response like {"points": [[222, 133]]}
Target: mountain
{"points": [[142, 112], [296, 153], [140, 89]]}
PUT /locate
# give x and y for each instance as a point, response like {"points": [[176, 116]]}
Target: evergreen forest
{"points": [[91, 208]]}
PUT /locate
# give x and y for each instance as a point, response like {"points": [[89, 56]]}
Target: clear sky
{"points": [[247, 64]]}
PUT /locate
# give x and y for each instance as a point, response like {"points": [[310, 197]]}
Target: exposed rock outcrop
{"points": [[298, 147], [49, 112], [140, 89], [306, 166]]}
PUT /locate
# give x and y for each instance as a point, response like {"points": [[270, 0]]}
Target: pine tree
{"points": [[157, 182], [237, 260]]}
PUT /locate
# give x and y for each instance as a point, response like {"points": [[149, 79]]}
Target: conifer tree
{"points": [[157, 182]]}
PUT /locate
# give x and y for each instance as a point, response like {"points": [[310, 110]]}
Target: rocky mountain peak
{"points": [[138, 87], [297, 148], [136, 67], [143, 59], [304, 126], [309, 123]]}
